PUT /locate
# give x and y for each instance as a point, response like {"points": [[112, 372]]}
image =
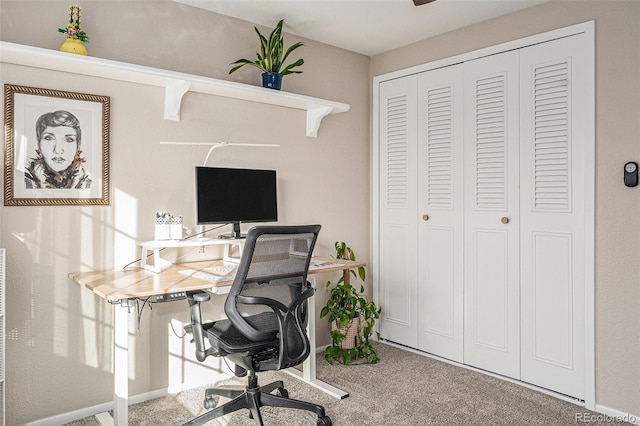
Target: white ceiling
{"points": [[369, 27]]}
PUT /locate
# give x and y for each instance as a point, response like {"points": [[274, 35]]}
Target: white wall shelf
{"points": [[175, 84]]}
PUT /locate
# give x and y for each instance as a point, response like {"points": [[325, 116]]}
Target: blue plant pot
{"points": [[272, 80]]}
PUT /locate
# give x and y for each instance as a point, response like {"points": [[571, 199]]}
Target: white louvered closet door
{"points": [[504, 253], [553, 215], [440, 237], [398, 206], [491, 223]]}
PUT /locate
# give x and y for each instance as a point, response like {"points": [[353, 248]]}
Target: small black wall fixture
{"points": [[631, 174]]}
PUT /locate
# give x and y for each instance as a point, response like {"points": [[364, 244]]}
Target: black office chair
{"points": [[266, 329]]}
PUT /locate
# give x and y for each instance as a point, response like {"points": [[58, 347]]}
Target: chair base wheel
{"points": [[324, 421], [283, 392], [209, 402]]}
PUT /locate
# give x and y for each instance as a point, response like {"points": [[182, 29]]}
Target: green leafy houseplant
{"points": [[271, 56], [348, 304]]}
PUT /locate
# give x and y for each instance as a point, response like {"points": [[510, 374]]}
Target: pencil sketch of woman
{"points": [[58, 161]]}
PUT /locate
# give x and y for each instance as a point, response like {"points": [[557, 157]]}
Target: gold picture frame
{"points": [[56, 148]]}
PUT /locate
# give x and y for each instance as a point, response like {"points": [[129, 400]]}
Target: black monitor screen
{"points": [[225, 195]]}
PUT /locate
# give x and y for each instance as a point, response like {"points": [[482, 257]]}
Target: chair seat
{"points": [[228, 339]]}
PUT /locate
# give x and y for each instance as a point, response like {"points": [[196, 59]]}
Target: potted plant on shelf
{"points": [[271, 58], [351, 315], [75, 36]]}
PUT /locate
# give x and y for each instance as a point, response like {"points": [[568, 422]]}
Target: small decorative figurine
{"points": [[75, 36]]}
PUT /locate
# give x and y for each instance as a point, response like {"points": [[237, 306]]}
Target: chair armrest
{"points": [[259, 300], [197, 328]]}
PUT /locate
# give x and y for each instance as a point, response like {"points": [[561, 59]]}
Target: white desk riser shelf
{"points": [[160, 264], [175, 84]]}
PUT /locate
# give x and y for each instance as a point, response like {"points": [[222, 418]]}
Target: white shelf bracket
{"points": [[315, 114], [174, 91]]}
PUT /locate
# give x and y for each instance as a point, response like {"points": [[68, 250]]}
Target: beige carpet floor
{"points": [[403, 389]]}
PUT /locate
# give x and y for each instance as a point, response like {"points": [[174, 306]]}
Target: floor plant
{"points": [[346, 307]]}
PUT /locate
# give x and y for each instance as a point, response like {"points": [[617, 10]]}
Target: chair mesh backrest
{"points": [[280, 256], [274, 265]]}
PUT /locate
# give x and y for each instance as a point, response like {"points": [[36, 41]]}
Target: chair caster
{"points": [[324, 421], [209, 402], [283, 392]]}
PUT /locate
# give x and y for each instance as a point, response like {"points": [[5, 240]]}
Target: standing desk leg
{"points": [[309, 365], [121, 362]]}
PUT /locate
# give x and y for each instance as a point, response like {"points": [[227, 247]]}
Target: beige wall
{"points": [[617, 274], [58, 335]]}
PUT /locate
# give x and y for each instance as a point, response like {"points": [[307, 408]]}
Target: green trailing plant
{"points": [[271, 57], [346, 302]]}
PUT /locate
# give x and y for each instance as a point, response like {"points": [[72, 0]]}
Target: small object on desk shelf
{"points": [[168, 227]]}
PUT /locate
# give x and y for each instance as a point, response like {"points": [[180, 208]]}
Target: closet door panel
{"points": [[490, 322], [491, 216], [398, 206], [397, 276], [440, 207], [553, 216]]}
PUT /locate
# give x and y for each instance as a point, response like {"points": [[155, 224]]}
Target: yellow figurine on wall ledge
{"points": [[75, 36]]}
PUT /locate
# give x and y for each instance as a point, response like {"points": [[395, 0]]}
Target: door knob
{"points": [[425, 217], [504, 220]]}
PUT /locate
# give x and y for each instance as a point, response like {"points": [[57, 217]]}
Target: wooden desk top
{"points": [[118, 284]]}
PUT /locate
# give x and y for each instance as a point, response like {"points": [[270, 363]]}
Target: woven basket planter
{"points": [[351, 332]]}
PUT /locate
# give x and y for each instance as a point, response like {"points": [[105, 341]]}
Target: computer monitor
{"points": [[228, 195]]}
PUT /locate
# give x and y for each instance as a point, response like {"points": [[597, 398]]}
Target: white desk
{"points": [[121, 288]]}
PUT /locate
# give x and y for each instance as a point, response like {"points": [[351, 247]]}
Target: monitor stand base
{"points": [[236, 235], [232, 236]]}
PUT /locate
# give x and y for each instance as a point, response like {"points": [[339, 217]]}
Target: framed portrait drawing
{"points": [[56, 147]]}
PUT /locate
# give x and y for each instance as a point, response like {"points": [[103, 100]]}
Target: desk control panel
{"points": [[168, 297]]}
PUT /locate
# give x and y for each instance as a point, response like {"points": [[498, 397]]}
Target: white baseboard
{"points": [[609, 415], [321, 349], [96, 409]]}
